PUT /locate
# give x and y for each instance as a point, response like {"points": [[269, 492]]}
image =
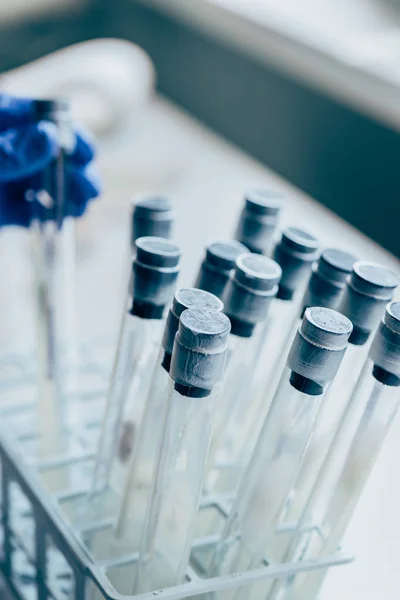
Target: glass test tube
{"points": [[54, 239], [217, 266], [325, 288], [369, 288], [258, 219], [136, 497], [313, 361], [295, 253], [155, 271], [248, 296], [197, 365], [350, 459]]}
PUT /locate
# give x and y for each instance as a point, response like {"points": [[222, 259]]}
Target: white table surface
{"points": [[167, 151]]}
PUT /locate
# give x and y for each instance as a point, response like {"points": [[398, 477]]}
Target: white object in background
{"points": [[105, 80]]}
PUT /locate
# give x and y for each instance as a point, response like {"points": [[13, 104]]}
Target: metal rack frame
{"points": [[42, 557]]}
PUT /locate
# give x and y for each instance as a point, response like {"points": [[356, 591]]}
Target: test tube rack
{"points": [[42, 557]]}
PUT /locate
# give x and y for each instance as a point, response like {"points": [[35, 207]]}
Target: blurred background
{"points": [[200, 100], [309, 89]]}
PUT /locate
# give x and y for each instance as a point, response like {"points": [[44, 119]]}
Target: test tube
{"points": [[54, 238], [295, 252], [144, 455], [313, 361], [352, 454], [218, 265], [325, 287], [248, 297], [155, 271], [197, 366], [152, 216], [258, 219], [363, 302]]}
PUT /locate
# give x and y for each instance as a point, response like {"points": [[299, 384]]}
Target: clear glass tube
{"points": [[128, 361], [324, 432], [55, 263], [279, 359], [233, 403], [270, 363], [343, 476], [176, 491], [67, 328], [49, 409], [138, 488], [155, 267], [262, 388], [346, 378], [280, 321], [134, 405], [249, 534]]}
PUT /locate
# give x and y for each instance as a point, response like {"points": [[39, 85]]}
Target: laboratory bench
{"points": [[164, 149]]}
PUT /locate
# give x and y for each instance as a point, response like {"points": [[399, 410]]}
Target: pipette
{"points": [[155, 271], [218, 265], [314, 358], [54, 237], [248, 297], [136, 497], [352, 454], [363, 302], [197, 366], [258, 219]]}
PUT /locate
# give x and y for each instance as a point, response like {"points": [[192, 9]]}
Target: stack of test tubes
{"points": [[243, 415]]}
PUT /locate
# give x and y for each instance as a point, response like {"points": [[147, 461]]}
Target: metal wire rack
{"points": [[42, 555]]}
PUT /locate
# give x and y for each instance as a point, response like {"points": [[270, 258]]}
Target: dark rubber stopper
{"points": [[385, 377], [157, 252], [358, 336], [166, 361], [253, 249], [284, 293], [146, 310], [152, 216], [241, 328], [305, 385], [190, 391]]}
